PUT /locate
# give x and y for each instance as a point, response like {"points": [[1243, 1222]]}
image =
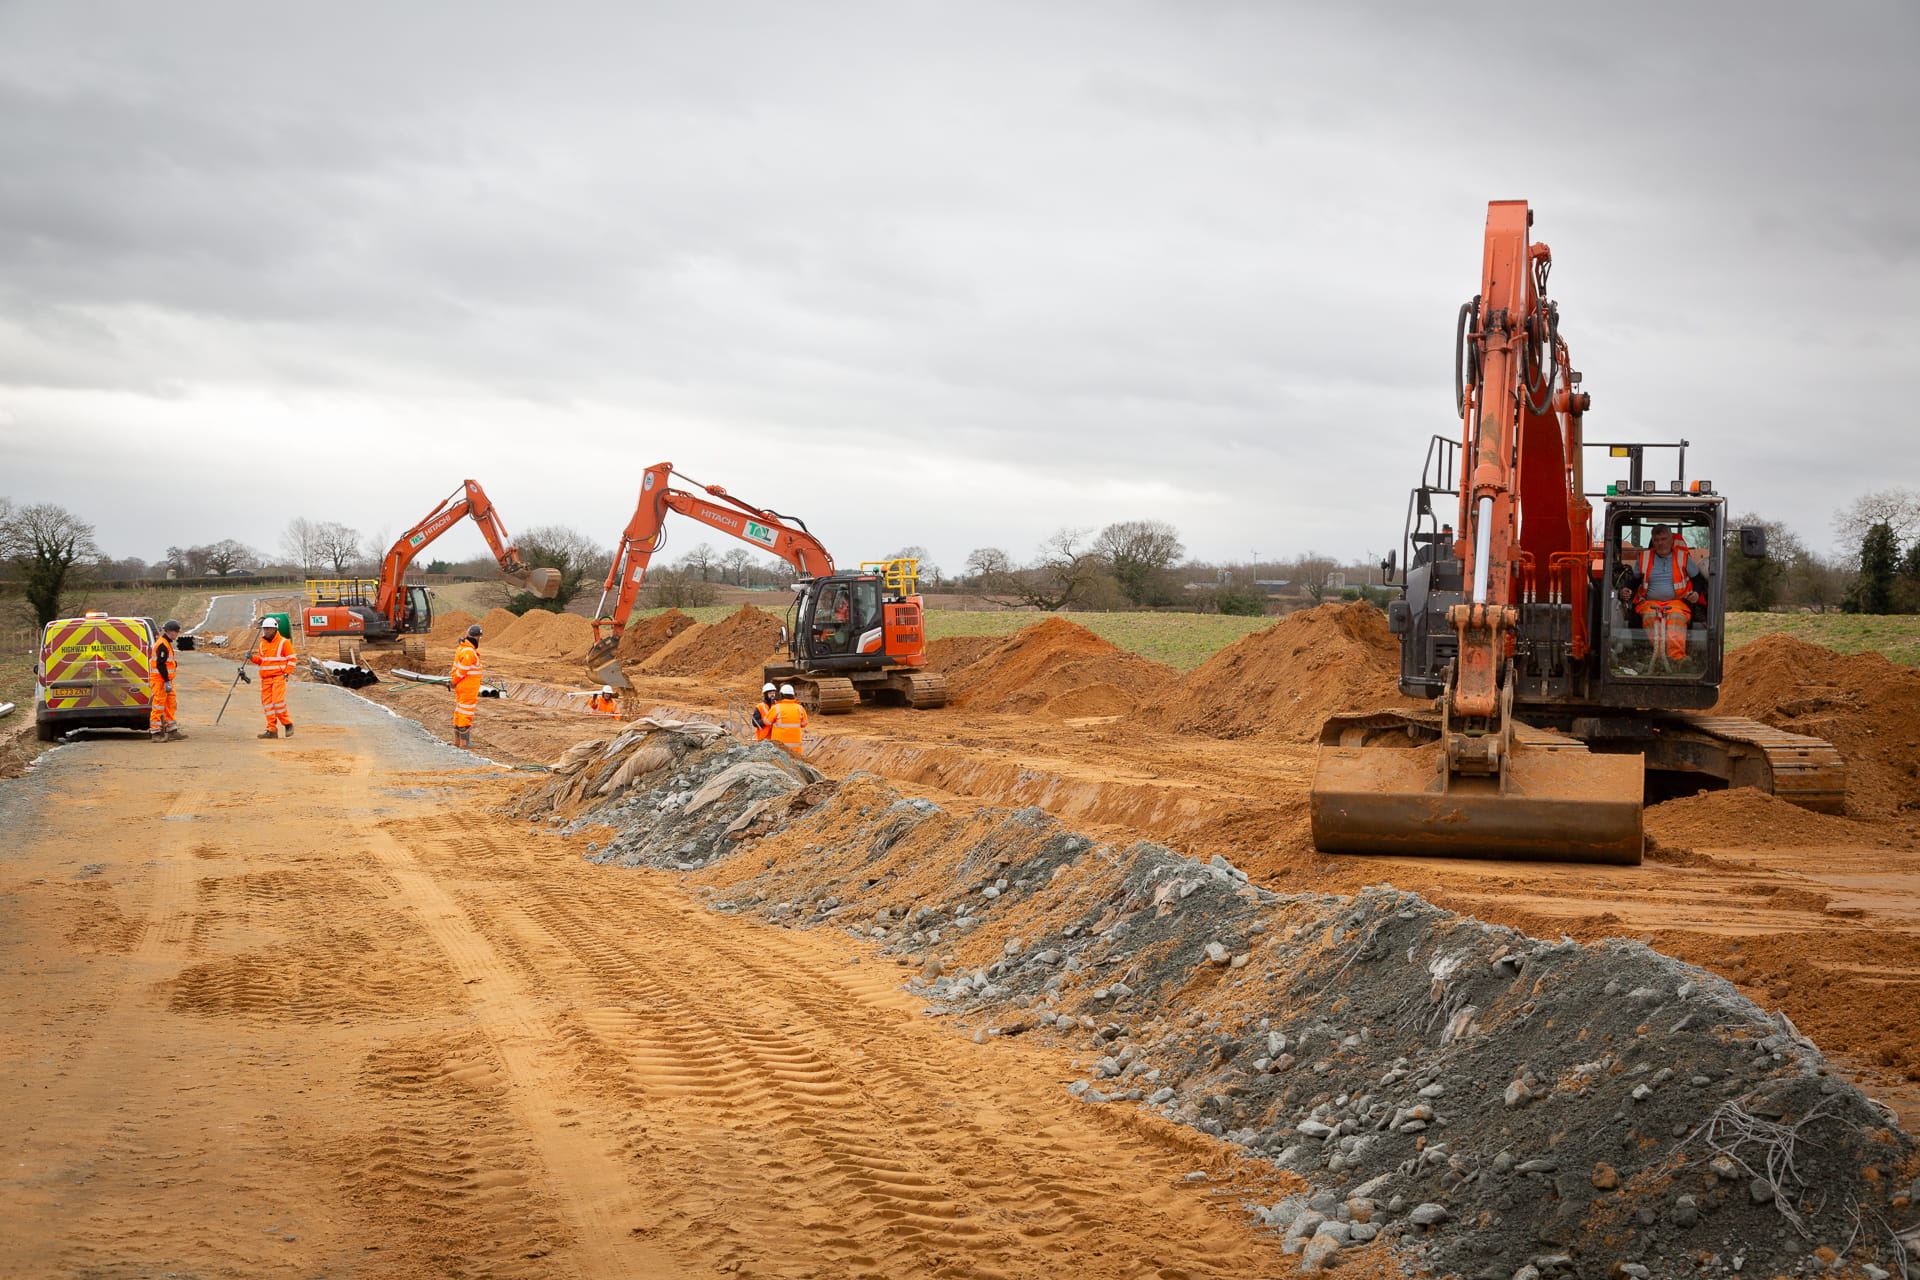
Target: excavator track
{"points": [[1801, 770], [830, 696], [926, 690]]}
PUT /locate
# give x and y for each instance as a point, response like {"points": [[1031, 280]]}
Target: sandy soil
{"points": [[1817, 915], [310, 1007]]}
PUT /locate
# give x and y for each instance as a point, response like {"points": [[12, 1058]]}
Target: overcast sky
{"points": [[948, 274]]}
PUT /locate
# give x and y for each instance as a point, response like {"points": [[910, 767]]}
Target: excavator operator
{"points": [[1665, 584]]}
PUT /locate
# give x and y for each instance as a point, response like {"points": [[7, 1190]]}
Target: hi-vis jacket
{"points": [[275, 657], [787, 719], [1682, 573], [466, 661]]}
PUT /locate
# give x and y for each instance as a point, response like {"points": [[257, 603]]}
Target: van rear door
{"points": [[95, 666]]}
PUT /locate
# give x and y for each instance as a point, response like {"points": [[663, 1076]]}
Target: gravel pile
{"points": [[1475, 1101]]}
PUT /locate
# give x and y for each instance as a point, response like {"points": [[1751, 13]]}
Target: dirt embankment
{"points": [[645, 637], [496, 624], [450, 626], [1289, 678], [1863, 704], [541, 634], [733, 647], [1053, 668]]}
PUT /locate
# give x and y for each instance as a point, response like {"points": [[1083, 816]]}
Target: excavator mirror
{"points": [[1753, 542], [1386, 566]]}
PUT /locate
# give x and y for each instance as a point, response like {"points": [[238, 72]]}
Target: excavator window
{"points": [[844, 610], [1659, 606]]}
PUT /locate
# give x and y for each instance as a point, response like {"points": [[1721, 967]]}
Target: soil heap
{"points": [[1288, 678], [1749, 819], [736, 646], [542, 634], [643, 637], [448, 627], [495, 624], [1863, 704], [1053, 668]]}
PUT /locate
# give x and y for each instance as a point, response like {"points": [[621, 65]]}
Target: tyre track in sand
{"points": [[825, 1123]]}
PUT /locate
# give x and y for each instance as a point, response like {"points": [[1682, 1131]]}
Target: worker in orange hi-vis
{"points": [[163, 703], [789, 721], [762, 717], [275, 657], [466, 686]]}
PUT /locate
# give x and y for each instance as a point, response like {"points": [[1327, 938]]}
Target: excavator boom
{"points": [[769, 531], [472, 501]]}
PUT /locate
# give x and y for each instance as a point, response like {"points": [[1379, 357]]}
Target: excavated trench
{"points": [[1458, 1098]]}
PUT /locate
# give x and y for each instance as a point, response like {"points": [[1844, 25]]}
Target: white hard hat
{"points": [[786, 691], [269, 624], [606, 688], [767, 687]]}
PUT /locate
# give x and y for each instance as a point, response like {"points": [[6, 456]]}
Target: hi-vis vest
{"points": [[466, 661], [788, 718], [274, 657], [1682, 570]]}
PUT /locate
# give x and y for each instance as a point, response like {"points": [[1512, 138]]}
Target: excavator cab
{"points": [[1662, 616], [838, 621], [416, 617]]}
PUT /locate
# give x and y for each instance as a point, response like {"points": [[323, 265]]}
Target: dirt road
{"points": [[307, 1008]]}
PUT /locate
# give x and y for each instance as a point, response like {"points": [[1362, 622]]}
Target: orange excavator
{"points": [[384, 613], [1561, 701], [849, 638]]}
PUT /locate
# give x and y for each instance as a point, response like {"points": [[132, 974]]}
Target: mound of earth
{"points": [[495, 624], [540, 634], [1746, 818], [670, 653], [1288, 678], [735, 646], [948, 656], [1863, 704], [451, 625], [1056, 668], [647, 635]]}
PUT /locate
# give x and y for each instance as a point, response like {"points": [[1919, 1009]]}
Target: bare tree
{"points": [[300, 544], [986, 565], [1067, 570], [225, 556], [737, 562], [187, 562], [1311, 571], [1898, 509], [1139, 553], [1820, 582], [51, 549], [337, 547], [929, 571], [702, 558]]}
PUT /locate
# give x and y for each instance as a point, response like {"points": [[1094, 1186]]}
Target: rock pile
{"points": [[1288, 678], [1483, 1103]]}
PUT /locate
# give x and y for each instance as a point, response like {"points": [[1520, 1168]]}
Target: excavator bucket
{"points": [[543, 582], [603, 663], [1556, 803]]}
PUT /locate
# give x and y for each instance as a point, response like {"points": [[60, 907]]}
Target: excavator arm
{"points": [[470, 500], [1520, 421], [775, 534]]}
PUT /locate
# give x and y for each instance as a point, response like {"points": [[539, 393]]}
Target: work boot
{"points": [[269, 734], [463, 738], [174, 735], [288, 728], [159, 735]]}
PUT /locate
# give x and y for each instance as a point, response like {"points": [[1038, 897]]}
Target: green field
{"points": [[1897, 636]]}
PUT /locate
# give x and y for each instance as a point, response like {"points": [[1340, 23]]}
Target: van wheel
{"points": [[46, 731]]}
